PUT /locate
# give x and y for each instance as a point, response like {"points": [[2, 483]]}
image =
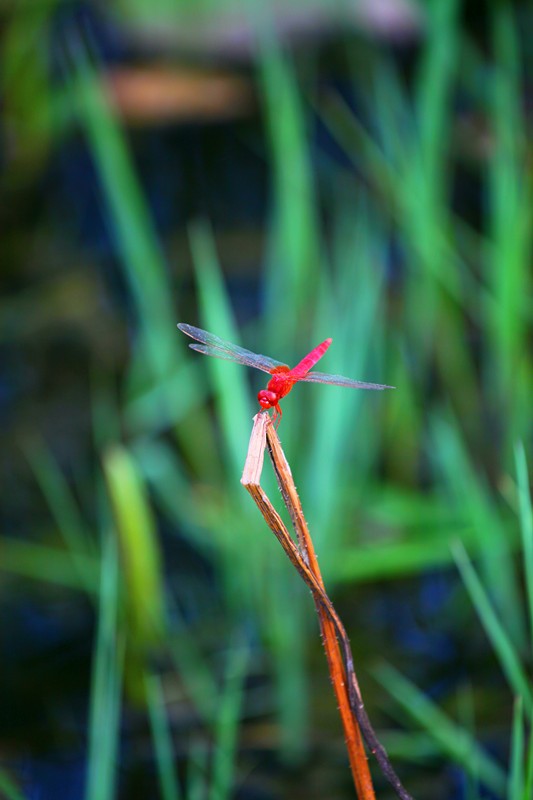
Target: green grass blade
{"points": [[167, 479], [476, 507], [528, 789], [434, 88], [422, 177], [295, 248], [9, 789], [162, 389], [64, 508], [454, 741], [138, 543], [193, 669], [516, 775], [148, 410], [29, 99], [144, 266], [162, 738], [504, 649], [467, 719], [231, 380], [360, 147], [227, 725], [106, 684], [511, 211], [526, 526], [349, 309], [48, 564], [393, 560], [288, 634], [411, 746], [197, 772]]}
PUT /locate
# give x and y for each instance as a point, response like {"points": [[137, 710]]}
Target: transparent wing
{"points": [[340, 380], [212, 345]]}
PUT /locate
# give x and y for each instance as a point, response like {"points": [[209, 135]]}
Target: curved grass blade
{"points": [[453, 740], [503, 646], [476, 506]]}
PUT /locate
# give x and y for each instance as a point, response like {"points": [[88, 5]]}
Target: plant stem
{"points": [[353, 714]]}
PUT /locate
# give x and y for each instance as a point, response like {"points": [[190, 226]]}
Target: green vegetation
{"points": [[368, 241]]}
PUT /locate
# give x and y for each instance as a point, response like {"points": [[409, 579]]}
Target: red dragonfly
{"points": [[283, 378]]}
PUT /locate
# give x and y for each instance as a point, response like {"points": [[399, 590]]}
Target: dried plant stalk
{"points": [[352, 734], [336, 644]]}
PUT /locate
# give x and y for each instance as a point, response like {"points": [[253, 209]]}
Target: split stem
{"points": [[340, 660]]}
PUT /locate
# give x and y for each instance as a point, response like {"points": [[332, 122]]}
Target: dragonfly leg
{"points": [[277, 415]]}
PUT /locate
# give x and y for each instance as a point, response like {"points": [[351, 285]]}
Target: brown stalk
{"points": [[340, 661]]}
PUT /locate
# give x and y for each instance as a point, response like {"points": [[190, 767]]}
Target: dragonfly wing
{"points": [[212, 345], [340, 380], [241, 357]]}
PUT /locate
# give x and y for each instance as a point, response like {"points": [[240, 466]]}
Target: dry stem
{"points": [[353, 714]]}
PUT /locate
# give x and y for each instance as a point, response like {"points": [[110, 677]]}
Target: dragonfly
{"points": [[283, 377]]}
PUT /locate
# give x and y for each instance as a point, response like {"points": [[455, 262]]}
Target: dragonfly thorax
{"points": [[267, 399]]}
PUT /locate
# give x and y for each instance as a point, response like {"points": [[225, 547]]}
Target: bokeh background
{"points": [[276, 173]]}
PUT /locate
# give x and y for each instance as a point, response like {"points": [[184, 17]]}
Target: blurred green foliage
{"points": [[371, 247]]}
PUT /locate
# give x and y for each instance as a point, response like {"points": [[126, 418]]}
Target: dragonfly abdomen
{"points": [[310, 360]]}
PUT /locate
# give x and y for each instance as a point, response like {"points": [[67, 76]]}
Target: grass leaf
{"points": [[526, 526], [504, 649], [516, 775], [139, 546], [227, 725], [162, 738], [106, 684], [454, 741]]}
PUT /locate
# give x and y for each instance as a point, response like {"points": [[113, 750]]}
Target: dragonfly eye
{"points": [[267, 399]]}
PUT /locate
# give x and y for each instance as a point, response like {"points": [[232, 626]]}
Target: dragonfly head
{"points": [[267, 399]]}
